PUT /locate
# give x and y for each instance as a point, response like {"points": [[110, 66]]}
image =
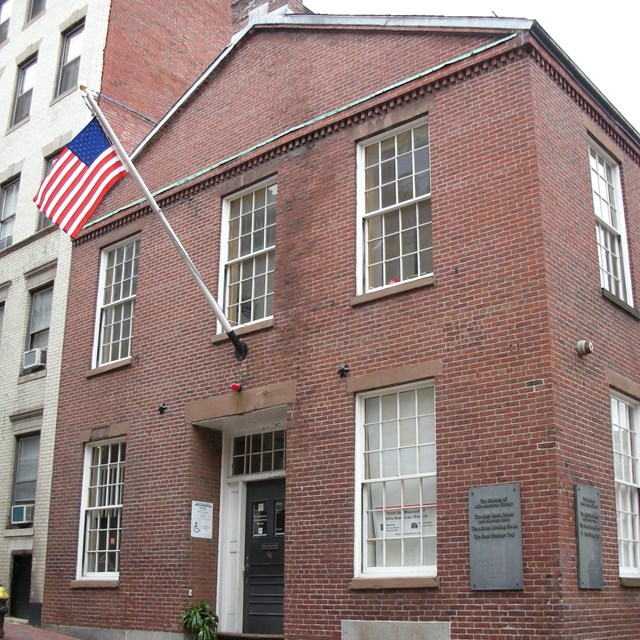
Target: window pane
{"points": [[399, 512], [258, 453], [5, 16], [249, 281], [103, 514], [70, 60], [27, 453], [117, 314], [625, 426], [397, 172], [24, 89], [607, 205], [36, 7], [8, 205], [40, 312]]}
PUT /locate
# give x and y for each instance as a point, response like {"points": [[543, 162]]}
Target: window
{"points": [[8, 204], [70, 59], [258, 453], [610, 228], [249, 255], [5, 15], [38, 337], [396, 482], [24, 486], [24, 91], [118, 281], [625, 425], [43, 221], [101, 525], [394, 208], [36, 7]]}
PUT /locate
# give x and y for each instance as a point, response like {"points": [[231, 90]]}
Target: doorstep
{"points": [[249, 636]]}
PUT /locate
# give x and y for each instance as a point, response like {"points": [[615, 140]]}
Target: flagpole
{"points": [[240, 345]]}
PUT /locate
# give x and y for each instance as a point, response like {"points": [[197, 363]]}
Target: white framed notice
{"points": [[201, 519]]}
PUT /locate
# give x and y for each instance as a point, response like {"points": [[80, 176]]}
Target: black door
{"points": [[20, 586], [264, 557]]}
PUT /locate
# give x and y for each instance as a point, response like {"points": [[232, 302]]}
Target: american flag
{"points": [[83, 173]]}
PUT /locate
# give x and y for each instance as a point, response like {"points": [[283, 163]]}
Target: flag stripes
{"points": [[72, 191]]}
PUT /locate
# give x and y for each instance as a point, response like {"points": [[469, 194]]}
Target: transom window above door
{"points": [[258, 453]]}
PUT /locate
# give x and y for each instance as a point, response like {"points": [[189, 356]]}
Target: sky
{"points": [[601, 38]]}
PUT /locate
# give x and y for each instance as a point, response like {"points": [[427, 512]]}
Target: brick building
{"points": [[426, 230], [46, 49]]}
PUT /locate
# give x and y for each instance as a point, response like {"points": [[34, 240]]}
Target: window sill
{"points": [[17, 125], [33, 19], [105, 368], [385, 292], [19, 533], [394, 583], [621, 303], [244, 330], [27, 377], [62, 96], [95, 584], [630, 582]]}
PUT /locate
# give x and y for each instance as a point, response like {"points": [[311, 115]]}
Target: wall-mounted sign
{"points": [[495, 538], [589, 537], [201, 519]]}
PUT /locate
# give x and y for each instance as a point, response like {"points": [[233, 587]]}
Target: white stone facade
{"points": [[28, 401]]}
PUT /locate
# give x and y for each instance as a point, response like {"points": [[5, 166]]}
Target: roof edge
{"points": [[580, 78], [280, 17]]}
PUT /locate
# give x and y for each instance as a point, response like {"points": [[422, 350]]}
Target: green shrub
{"points": [[199, 619]]}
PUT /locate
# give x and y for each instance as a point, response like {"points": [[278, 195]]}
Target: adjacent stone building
{"points": [[427, 232], [141, 57]]}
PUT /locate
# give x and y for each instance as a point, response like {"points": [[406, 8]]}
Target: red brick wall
{"points": [[153, 55], [516, 286], [578, 311], [278, 80]]}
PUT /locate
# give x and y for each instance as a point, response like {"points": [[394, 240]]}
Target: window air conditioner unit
{"points": [[34, 359], [21, 513]]}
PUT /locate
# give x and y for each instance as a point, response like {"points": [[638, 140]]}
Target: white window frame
{"points": [[101, 307], [625, 425], [116, 491], [360, 568], [362, 284], [225, 262], [66, 63], [8, 210], [605, 227]]}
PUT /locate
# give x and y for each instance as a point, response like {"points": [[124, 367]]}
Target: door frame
{"points": [[231, 538]]}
